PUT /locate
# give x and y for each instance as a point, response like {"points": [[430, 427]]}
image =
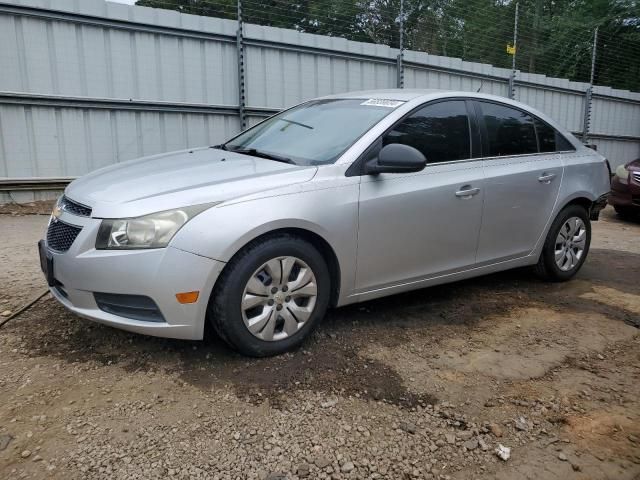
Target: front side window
{"points": [[509, 131], [314, 133], [440, 131]]}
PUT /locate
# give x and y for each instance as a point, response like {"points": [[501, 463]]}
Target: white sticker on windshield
{"points": [[382, 102]]}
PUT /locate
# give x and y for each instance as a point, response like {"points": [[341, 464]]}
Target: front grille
{"points": [[74, 208], [636, 176], [60, 235]]}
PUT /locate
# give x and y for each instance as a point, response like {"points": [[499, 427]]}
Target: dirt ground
{"points": [[419, 385]]}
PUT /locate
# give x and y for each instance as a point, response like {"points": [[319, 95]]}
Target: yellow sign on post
{"points": [[511, 49]]}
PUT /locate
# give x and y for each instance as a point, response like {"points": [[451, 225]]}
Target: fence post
{"points": [[241, 73], [589, 93], [512, 77], [399, 60]]}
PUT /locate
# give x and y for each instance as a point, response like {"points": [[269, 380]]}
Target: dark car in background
{"points": [[625, 189]]}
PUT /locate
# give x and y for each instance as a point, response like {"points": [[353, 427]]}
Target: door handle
{"points": [[467, 192], [546, 178]]}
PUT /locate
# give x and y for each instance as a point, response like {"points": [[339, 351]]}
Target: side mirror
{"points": [[396, 158]]}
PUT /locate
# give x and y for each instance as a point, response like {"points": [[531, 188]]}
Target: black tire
{"points": [[547, 268], [624, 212], [225, 313]]}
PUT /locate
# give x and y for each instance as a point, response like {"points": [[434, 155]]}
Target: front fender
{"points": [[328, 211]]}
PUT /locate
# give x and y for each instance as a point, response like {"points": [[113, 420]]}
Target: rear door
{"points": [[523, 174], [417, 225]]}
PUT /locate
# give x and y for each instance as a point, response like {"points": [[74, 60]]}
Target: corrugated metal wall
{"points": [[87, 83]]}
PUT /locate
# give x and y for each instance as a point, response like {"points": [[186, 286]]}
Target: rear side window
{"points": [[550, 139], [440, 131], [509, 131]]}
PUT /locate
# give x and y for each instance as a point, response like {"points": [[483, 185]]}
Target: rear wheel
{"points": [[271, 296], [566, 246]]}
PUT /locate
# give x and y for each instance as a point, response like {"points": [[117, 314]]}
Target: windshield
{"points": [[314, 133]]}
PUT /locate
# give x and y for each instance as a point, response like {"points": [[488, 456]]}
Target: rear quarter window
{"points": [[549, 139]]}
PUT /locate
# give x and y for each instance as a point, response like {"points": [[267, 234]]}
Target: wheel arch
{"points": [[583, 201], [315, 239], [586, 200]]}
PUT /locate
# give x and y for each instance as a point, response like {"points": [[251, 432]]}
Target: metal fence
{"points": [[84, 84]]}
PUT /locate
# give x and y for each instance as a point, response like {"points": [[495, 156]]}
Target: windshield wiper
{"points": [[258, 153], [296, 123], [222, 146]]}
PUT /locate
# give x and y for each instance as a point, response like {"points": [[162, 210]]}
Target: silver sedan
{"points": [[337, 200]]}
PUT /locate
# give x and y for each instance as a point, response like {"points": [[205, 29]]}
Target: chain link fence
{"points": [[142, 81], [556, 38]]}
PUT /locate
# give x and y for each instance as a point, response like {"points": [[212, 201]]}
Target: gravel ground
{"points": [[419, 385]]}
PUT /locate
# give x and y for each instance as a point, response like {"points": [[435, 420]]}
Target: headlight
{"points": [[57, 208], [622, 173], [151, 231]]}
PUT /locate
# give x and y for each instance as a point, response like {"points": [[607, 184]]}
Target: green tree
{"points": [[555, 36], [209, 8]]}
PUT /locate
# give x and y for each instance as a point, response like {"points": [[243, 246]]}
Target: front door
{"points": [[418, 225]]}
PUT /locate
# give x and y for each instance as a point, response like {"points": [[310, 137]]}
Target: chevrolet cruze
{"points": [[337, 200]]}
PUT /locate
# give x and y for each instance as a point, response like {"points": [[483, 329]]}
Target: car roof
{"points": [[403, 94], [407, 94]]}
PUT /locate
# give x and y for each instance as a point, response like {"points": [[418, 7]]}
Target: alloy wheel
{"points": [[570, 244], [279, 298]]}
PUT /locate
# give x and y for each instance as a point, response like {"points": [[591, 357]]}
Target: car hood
{"points": [[178, 179]]}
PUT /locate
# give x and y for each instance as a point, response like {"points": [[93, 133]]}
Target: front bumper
{"points": [[625, 193], [155, 273]]}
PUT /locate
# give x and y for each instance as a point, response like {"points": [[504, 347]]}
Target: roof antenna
{"points": [[480, 87]]}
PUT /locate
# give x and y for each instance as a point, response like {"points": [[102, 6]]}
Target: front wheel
{"points": [[270, 296], [566, 246]]}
